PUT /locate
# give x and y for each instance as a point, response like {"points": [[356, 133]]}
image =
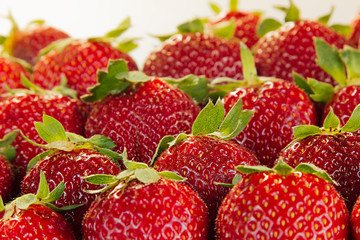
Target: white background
{"points": [[90, 18]]}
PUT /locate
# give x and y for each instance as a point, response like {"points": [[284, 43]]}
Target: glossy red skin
{"points": [[203, 161], [79, 61], [36, 222], [139, 117], [355, 221], [354, 38], [28, 42], [270, 206], [6, 179], [338, 155], [343, 103], [245, 25], [20, 112], [158, 211], [278, 107], [291, 49], [70, 167], [10, 74], [195, 53]]}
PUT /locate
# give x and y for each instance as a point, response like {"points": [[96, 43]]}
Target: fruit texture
{"points": [[6, 179]]}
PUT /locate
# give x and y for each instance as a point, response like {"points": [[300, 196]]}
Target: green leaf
{"points": [[224, 29], [50, 130], [100, 179], [132, 165], [193, 26], [234, 122], [147, 175], [133, 77], [233, 5], [282, 168], [38, 157], [56, 193], [102, 141], [351, 58], [194, 86], [293, 13], [58, 45], [322, 92], [304, 131], [43, 190], [66, 208], [124, 174], [123, 26], [162, 146], [171, 176], [226, 85], [247, 60], [302, 84], [325, 19], [9, 138], [9, 210], [328, 58], [253, 169], [344, 30], [267, 25], [108, 83], [179, 138], [236, 179], [112, 155], [61, 145], [163, 38], [312, 169], [2, 207], [30, 85], [209, 119], [215, 8], [63, 88], [25, 201], [127, 45], [353, 124], [2, 39], [331, 121], [9, 152], [75, 137], [37, 21]]}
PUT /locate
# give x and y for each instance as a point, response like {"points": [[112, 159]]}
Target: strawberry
{"points": [[79, 158], [291, 49], [136, 111], [355, 220], [27, 43], [78, 61], [10, 72], [207, 157], [278, 106], [33, 217], [283, 203], [245, 23], [333, 148], [354, 38], [27, 107], [141, 203]]}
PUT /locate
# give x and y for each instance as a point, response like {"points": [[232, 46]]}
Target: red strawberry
{"points": [[207, 157], [354, 38], [279, 105], [26, 108], [195, 53], [6, 179], [355, 220], [334, 149], [69, 166], [140, 112], [145, 205], [10, 73], [291, 49], [282, 203], [31, 216]]}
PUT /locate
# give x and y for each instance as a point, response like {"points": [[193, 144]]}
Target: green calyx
{"points": [[6, 149], [281, 168], [134, 171], [115, 81], [43, 196], [54, 134]]}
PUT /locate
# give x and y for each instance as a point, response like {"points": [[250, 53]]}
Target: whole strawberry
{"points": [[207, 157], [78, 61], [291, 49], [333, 148], [136, 111], [278, 106], [283, 203], [32, 216], [10, 73], [141, 203]]}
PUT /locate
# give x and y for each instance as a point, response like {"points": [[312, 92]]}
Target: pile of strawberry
{"points": [[237, 127]]}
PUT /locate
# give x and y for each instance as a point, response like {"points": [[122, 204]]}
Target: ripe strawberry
{"points": [[354, 38], [334, 149], [140, 111], [10, 73], [207, 157], [291, 49], [142, 204], [283, 203], [279, 105], [6, 179], [31, 216], [355, 220], [245, 23], [69, 166], [26, 108], [79, 61]]}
